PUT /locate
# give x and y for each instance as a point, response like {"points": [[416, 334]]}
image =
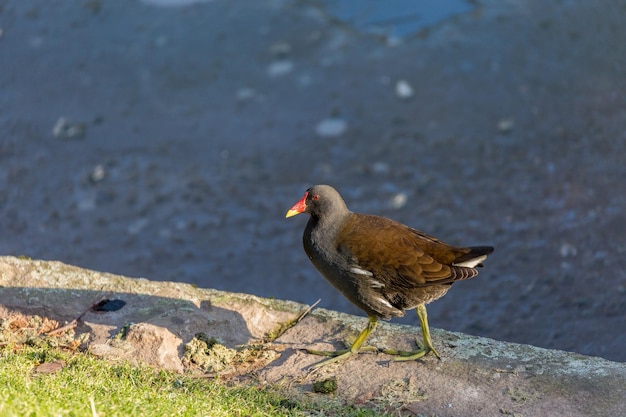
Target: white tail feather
{"points": [[471, 263]]}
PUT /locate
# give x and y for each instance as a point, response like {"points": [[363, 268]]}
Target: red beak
{"points": [[299, 207]]}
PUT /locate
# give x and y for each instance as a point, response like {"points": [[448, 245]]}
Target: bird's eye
{"points": [[316, 197]]}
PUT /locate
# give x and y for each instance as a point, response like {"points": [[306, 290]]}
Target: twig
{"points": [[74, 322], [307, 311], [284, 326]]}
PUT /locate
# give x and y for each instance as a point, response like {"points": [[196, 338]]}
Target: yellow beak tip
{"points": [[291, 213]]}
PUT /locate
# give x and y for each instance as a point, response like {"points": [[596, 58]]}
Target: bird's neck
{"points": [[325, 228]]}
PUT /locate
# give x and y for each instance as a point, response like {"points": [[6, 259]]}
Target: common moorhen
{"points": [[381, 266]]}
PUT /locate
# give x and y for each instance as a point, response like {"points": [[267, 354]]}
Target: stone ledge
{"points": [[476, 376]]}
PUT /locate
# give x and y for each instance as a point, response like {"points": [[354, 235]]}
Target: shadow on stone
{"points": [[476, 376], [151, 322]]}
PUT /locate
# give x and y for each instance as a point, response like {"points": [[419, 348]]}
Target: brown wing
{"points": [[399, 255]]}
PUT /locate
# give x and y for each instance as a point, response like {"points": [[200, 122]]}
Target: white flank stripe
{"points": [[357, 270], [376, 284], [385, 302]]}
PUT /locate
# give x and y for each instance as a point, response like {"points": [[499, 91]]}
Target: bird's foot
{"points": [[338, 355], [341, 351], [410, 356], [403, 355], [332, 353], [353, 348]]}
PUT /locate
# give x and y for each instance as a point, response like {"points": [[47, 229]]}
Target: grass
{"points": [[87, 386]]}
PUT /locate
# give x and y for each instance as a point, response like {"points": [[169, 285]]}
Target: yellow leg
{"points": [[428, 343], [340, 355]]}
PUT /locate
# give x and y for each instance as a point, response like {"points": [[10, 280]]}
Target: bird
{"points": [[380, 265]]}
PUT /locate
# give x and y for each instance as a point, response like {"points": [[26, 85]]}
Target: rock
{"points": [[156, 345], [245, 94], [404, 90], [568, 250], [144, 343], [398, 201], [506, 125], [97, 174], [280, 68], [280, 49], [50, 367], [65, 129], [476, 376], [330, 128]]}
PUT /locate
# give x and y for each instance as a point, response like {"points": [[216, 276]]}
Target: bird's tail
{"points": [[473, 258]]}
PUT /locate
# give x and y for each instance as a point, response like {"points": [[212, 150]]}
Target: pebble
{"points": [[137, 226], [567, 250], [87, 203], [330, 128], [280, 68], [380, 167], [393, 41], [280, 49], [398, 201], [36, 42], [404, 90], [97, 174], [67, 130], [244, 94], [506, 125]]}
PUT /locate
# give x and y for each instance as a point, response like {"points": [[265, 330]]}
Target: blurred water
{"points": [[393, 19], [196, 127]]}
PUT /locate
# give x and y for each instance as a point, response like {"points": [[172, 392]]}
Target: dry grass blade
{"points": [[283, 327]]}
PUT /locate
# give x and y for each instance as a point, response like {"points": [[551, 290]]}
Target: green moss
{"points": [[325, 386], [208, 353]]}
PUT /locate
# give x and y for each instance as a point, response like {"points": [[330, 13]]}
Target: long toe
{"points": [[416, 354], [403, 355], [338, 358], [410, 356], [429, 348], [434, 352], [328, 352]]}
